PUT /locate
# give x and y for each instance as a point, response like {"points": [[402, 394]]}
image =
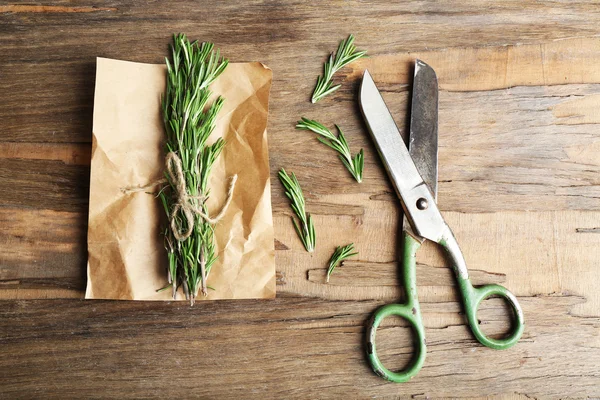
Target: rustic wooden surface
{"points": [[519, 183]]}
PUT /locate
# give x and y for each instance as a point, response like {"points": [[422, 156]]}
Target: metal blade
{"points": [[423, 138], [390, 145], [417, 200]]}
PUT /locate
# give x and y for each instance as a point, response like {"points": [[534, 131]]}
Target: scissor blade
{"points": [[423, 139], [388, 140], [417, 199]]}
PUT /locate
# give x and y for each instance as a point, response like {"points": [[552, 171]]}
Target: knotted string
{"points": [[184, 199]]}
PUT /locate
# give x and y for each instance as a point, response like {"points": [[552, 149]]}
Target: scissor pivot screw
{"points": [[422, 204]]}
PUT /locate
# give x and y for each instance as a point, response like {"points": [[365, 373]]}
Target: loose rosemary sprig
{"points": [[339, 255], [306, 230], [189, 120], [354, 164], [346, 53]]}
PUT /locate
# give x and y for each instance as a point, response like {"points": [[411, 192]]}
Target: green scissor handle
{"points": [[410, 311], [473, 296]]}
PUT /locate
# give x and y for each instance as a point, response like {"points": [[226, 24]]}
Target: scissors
{"points": [[413, 172]]}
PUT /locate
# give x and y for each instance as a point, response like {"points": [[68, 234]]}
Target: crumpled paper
{"points": [[126, 255]]}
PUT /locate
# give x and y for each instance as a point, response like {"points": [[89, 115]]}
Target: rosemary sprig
{"points": [[339, 255], [306, 230], [346, 53], [354, 164], [189, 120]]}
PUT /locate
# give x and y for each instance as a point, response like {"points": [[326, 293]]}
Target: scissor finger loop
{"points": [[472, 299]]}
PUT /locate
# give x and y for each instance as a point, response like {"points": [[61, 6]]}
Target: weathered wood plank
{"points": [[58, 107], [561, 62], [69, 154], [42, 250], [530, 253], [387, 27], [538, 154], [41, 184], [300, 348], [515, 149], [16, 8]]}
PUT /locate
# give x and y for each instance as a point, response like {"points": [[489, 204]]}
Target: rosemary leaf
{"points": [[346, 53], [339, 143], [305, 228], [339, 255]]}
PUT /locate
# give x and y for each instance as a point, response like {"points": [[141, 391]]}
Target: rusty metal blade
{"points": [[423, 137]]}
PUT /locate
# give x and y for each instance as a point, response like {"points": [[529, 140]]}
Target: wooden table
{"points": [[519, 183]]}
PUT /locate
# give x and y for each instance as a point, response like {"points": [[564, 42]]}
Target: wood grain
{"points": [[519, 184], [16, 8], [288, 347]]}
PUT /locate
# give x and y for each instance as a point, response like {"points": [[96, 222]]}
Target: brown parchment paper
{"points": [[126, 256]]}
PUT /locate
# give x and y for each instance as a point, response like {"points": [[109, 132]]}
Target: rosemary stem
{"points": [[186, 290], [203, 272]]}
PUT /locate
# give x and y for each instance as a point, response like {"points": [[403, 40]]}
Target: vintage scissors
{"points": [[413, 172]]}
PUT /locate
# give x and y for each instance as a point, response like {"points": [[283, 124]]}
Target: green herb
{"points": [[189, 120], [306, 230], [354, 164], [346, 53], [339, 255]]}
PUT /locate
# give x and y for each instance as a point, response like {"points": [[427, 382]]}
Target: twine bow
{"points": [[184, 199]]}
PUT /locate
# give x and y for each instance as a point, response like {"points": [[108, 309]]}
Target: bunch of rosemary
{"points": [[189, 120]]}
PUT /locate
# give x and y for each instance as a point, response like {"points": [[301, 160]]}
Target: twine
{"points": [[184, 199]]}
